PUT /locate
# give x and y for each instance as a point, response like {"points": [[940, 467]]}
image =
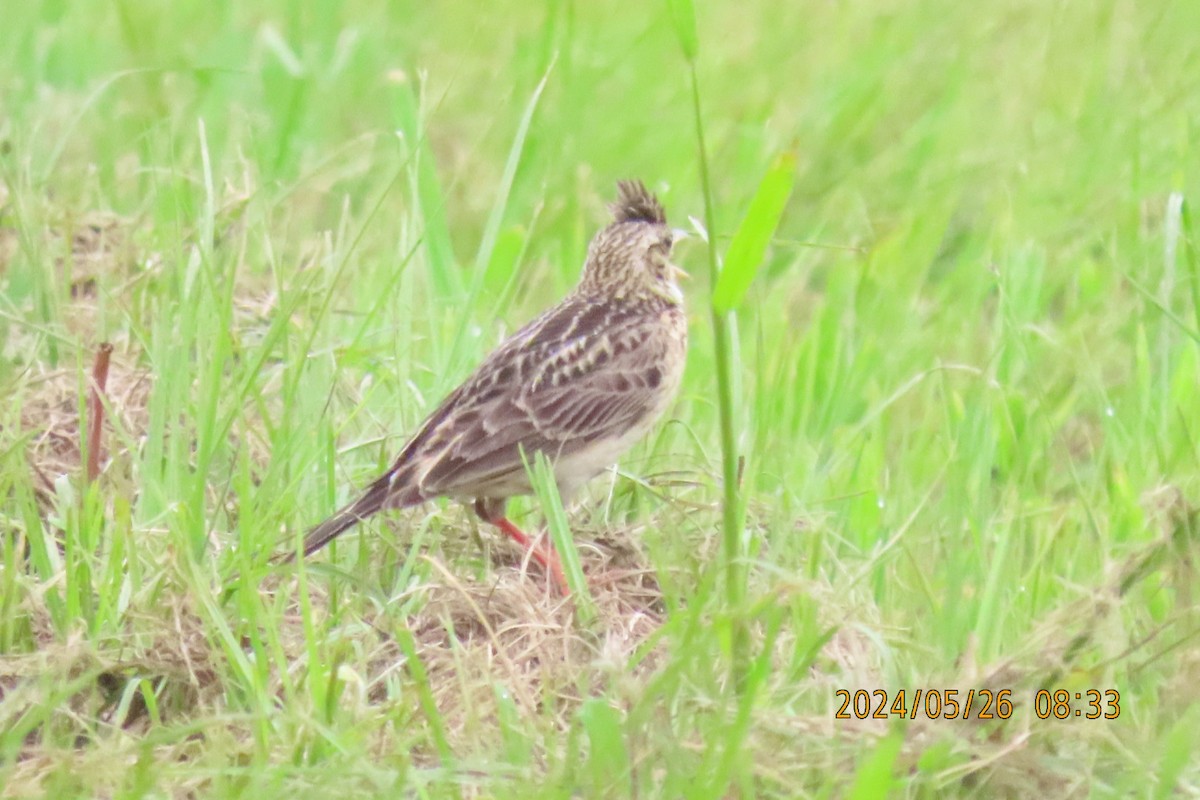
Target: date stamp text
{"points": [[1060, 704]]}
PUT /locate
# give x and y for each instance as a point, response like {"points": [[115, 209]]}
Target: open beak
{"points": [[678, 235]]}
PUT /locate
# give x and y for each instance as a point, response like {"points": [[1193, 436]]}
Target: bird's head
{"points": [[631, 257]]}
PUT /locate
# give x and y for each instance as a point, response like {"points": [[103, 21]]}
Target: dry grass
{"points": [[510, 630], [970, 456], [507, 642], [50, 420]]}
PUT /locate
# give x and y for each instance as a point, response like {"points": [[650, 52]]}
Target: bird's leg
{"points": [[490, 513], [546, 556]]}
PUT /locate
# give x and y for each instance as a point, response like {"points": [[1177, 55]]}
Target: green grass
{"points": [[967, 372]]}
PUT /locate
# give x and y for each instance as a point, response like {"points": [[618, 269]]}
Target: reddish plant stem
{"points": [[96, 409]]}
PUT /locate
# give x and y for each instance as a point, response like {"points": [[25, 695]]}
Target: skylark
{"points": [[581, 384]]}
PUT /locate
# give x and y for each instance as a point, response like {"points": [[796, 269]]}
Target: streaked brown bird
{"points": [[581, 384]]}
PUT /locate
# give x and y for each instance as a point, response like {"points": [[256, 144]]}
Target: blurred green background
{"points": [[967, 376]]}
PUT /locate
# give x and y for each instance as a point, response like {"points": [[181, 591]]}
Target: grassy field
{"points": [[966, 385]]}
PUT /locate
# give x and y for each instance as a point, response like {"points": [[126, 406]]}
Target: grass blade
{"points": [[491, 231], [876, 774], [608, 757], [542, 476], [683, 17], [1179, 322], [732, 511], [750, 242], [431, 201], [1190, 257]]}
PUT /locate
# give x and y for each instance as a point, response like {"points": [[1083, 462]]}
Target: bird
{"points": [[581, 383]]}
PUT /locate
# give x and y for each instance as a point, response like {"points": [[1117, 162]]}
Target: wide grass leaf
{"points": [[683, 16], [608, 758], [749, 243], [876, 773]]}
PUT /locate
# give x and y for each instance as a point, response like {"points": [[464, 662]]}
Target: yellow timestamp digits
{"points": [[1092, 704], [1058, 704], [933, 703]]}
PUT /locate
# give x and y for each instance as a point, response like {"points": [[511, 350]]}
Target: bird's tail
{"points": [[378, 495]]}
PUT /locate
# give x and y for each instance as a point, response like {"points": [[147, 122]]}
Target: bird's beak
{"points": [[678, 235]]}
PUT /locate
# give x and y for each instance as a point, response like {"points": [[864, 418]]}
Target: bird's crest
{"points": [[636, 204]]}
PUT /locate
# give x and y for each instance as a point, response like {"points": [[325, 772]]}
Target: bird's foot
{"points": [[546, 556]]}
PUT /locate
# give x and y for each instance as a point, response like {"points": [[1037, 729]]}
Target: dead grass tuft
{"points": [[99, 246], [1080, 646], [77, 695], [92, 252], [89, 251], [50, 418], [510, 639], [71, 692]]}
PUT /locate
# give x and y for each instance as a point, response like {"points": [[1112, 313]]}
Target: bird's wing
{"points": [[584, 374], [581, 373]]}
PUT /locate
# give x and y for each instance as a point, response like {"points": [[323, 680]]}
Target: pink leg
{"points": [[545, 556]]}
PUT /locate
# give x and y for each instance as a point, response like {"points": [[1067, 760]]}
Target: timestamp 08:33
{"points": [[1059, 704]]}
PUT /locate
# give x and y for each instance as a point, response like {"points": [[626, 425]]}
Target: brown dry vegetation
{"points": [[460, 636], [470, 636], [967, 372]]}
